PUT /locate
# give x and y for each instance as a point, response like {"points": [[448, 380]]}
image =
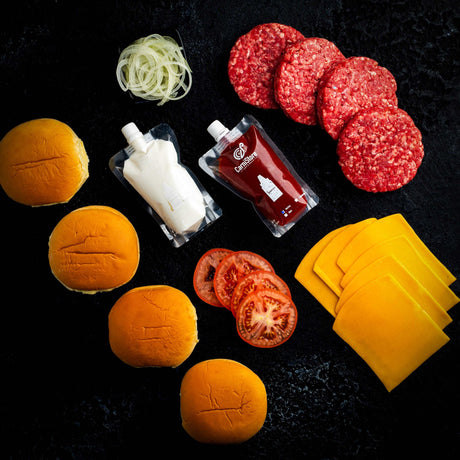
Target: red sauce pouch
{"points": [[249, 163]]}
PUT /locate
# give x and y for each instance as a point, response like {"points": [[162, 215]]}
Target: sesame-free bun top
{"points": [[93, 248], [42, 162], [222, 402], [153, 326]]}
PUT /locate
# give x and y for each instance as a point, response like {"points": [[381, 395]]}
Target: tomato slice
{"points": [[232, 269], [266, 318], [260, 279], [203, 275]]}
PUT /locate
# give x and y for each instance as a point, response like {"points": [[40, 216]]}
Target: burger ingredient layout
{"points": [[389, 294]]}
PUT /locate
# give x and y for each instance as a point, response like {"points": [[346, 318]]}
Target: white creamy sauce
{"points": [[154, 171]]}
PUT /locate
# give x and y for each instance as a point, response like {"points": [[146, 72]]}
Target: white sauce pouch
{"points": [[150, 168]]}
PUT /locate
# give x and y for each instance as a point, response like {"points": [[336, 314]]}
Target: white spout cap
{"points": [[217, 130], [131, 132]]}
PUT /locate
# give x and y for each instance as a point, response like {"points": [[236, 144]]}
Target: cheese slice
{"points": [[326, 266], [386, 228], [411, 285], [311, 281], [388, 330], [404, 251]]}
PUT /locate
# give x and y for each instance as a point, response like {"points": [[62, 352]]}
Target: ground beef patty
{"points": [[349, 86], [298, 74], [254, 59], [380, 149]]}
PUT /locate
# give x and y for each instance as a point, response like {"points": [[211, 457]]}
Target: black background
{"points": [[65, 395]]}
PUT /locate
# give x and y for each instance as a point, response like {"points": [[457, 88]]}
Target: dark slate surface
{"points": [[65, 394]]}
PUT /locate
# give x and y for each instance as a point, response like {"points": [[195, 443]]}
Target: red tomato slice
{"points": [[232, 269], [260, 279], [203, 276], [266, 318]]}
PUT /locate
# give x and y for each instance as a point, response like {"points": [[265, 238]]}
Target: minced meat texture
{"points": [[297, 76], [380, 149], [352, 85], [254, 59]]}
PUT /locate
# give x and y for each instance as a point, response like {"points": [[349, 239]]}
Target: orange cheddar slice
{"points": [[413, 287], [404, 251], [325, 265], [384, 229], [388, 330], [311, 281]]}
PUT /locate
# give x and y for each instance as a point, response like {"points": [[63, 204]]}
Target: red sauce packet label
{"points": [[253, 167]]}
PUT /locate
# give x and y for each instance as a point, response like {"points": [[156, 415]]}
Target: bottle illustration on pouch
{"points": [[269, 188]]}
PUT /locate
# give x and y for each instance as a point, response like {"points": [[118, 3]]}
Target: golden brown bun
{"points": [[153, 326], [94, 248], [42, 162], [222, 402]]}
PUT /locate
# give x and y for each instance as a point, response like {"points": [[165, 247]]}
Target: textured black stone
{"points": [[65, 394]]}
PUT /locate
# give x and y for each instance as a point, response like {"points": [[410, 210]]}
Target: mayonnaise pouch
{"points": [[169, 191], [250, 164]]}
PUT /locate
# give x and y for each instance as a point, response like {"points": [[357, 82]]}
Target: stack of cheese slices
{"points": [[389, 294]]}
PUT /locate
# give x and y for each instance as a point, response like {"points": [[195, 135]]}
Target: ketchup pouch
{"points": [[250, 164], [150, 168]]}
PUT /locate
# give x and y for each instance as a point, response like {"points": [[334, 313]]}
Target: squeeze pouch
{"points": [[150, 168], [249, 163]]}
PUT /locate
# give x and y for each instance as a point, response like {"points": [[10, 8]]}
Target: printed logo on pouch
{"points": [[239, 152], [246, 162]]}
